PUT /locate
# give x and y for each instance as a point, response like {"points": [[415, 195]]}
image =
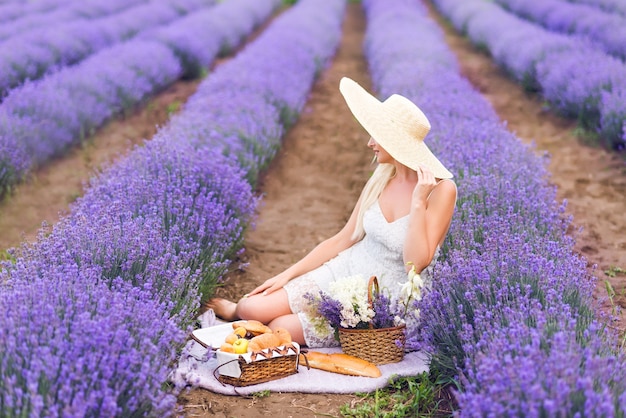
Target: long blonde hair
{"points": [[372, 190]]}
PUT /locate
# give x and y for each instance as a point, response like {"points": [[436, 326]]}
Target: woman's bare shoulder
{"points": [[446, 186]]}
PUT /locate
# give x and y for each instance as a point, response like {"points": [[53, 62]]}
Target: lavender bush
{"points": [[253, 98], [74, 347], [37, 52], [606, 31], [12, 10], [62, 13], [193, 38], [117, 280], [41, 119], [510, 317], [45, 117], [568, 72], [610, 6]]}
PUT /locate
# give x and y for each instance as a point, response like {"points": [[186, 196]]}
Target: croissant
{"points": [[340, 363], [283, 335], [263, 341]]}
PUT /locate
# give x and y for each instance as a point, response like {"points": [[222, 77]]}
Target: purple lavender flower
{"points": [[384, 313], [329, 308], [606, 31], [510, 314], [610, 6], [43, 118], [73, 346], [104, 299], [569, 71]]}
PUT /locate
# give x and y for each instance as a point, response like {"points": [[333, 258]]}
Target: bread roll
{"points": [[252, 326], [227, 348], [283, 335], [263, 341]]}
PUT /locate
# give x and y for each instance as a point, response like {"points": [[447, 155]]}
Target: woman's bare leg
{"points": [[264, 308], [272, 309], [223, 308]]}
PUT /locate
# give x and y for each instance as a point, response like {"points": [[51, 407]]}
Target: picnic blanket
{"points": [[197, 364]]}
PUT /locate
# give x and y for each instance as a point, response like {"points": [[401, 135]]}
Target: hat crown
{"points": [[407, 116], [397, 125]]}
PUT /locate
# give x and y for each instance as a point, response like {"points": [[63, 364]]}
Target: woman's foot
{"points": [[224, 309]]}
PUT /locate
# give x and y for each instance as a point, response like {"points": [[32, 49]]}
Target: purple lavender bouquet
{"points": [[347, 305], [368, 323]]}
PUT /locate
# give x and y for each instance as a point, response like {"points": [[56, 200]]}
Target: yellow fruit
{"points": [[240, 346]]}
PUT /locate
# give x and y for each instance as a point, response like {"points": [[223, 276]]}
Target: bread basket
{"points": [[257, 367]]}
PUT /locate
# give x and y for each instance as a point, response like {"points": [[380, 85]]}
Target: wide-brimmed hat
{"points": [[396, 124]]}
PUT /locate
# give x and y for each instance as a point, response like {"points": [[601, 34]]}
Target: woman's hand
{"points": [[426, 182], [270, 285]]}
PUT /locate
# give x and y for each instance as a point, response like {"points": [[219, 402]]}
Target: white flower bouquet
{"points": [[364, 320]]}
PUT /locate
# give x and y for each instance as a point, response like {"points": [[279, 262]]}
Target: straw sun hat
{"points": [[396, 124]]}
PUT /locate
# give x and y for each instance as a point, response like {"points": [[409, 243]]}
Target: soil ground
{"points": [[311, 186]]}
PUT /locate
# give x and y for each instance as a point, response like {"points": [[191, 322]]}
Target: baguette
{"points": [[340, 363]]}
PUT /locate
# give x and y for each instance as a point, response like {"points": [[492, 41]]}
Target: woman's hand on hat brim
{"points": [[426, 182]]}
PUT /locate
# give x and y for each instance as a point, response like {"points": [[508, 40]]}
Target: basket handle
{"points": [[223, 364], [373, 283]]}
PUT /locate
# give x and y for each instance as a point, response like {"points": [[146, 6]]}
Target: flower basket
{"points": [[376, 345], [258, 367]]}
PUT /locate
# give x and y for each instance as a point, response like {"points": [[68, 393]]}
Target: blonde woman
{"points": [[402, 216]]}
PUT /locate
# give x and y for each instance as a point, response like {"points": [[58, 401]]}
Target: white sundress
{"points": [[378, 254]]}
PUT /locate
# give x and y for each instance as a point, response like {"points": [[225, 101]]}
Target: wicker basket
{"points": [[259, 370], [378, 346]]}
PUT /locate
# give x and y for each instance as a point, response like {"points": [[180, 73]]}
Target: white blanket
{"points": [[197, 365]]}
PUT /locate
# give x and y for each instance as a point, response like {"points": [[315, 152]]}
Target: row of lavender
{"points": [[97, 308], [609, 6], [510, 316], [604, 30], [579, 80], [18, 18], [11, 10], [42, 119], [32, 54]]}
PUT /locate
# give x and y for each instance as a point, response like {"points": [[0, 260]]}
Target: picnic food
{"points": [[254, 336], [252, 326], [238, 333], [227, 347], [241, 331], [340, 363], [240, 346], [283, 335], [263, 341]]}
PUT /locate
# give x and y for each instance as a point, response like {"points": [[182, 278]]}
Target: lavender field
{"points": [[98, 307]]}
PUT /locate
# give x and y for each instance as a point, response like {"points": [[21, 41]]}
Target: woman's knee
{"points": [[246, 308], [264, 308]]}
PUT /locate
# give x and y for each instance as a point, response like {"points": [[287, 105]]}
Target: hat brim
{"points": [[388, 130]]}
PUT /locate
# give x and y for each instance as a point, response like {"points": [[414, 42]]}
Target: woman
{"points": [[401, 218]]}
